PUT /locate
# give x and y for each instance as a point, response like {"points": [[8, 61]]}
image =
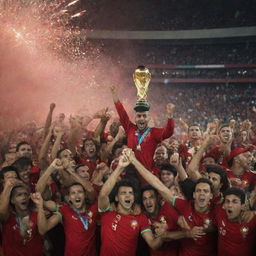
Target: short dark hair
{"points": [[22, 163], [6, 169], [93, 140], [237, 192], [169, 168], [222, 173], [203, 180], [123, 183], [148, 187], [75, 184], [20, 144]]}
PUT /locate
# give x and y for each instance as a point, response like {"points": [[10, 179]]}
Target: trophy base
{"points": [[141, 106]]}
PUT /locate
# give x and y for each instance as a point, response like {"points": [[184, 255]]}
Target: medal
{"points": [[141, 138]]}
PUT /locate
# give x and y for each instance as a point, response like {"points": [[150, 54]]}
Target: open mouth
{"points": [[201, 200], [127, 201], [229, 212], [78, 200]]}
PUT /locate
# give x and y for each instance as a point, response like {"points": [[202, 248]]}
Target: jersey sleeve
{"points": [[180, 204], [164, 133], [144, 224], [124, 118]]}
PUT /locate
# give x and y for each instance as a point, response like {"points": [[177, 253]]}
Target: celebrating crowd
{"points": [[129, 189]]}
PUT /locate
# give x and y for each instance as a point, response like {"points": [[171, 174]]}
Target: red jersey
{"points": [[120, 232], [234, 239], [16, 245], [91, 164], [246, 181], [149, 144], [204, 246], [79, 241], [167, 214], [218, 156]]}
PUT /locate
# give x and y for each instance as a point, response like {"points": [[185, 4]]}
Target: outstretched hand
{"points": [[170, 110], [37, 199]]}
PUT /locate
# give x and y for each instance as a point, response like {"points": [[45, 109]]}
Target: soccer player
{"points": [[120, 227], [141, 138], [235, 237], [197, 213]]}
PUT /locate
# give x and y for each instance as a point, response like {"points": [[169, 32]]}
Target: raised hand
{"points": [[52, 106], [170, 110], [37, 199]]}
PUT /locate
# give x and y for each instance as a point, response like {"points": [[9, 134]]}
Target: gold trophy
{"points": [[141, 78]]}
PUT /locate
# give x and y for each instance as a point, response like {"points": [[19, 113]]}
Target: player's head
{"points": [[218, 177], [160, 155], [124, 193], [8, 172], [23, 165], [23, 149], [234, 202], [90, 147], [194, 132], [149, 198], [168, 174], [225, 133], [142, 119], [202, 194], [20, 197], [76, 194]]}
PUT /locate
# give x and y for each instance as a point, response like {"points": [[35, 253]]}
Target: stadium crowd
{"points": [[132, 188]]}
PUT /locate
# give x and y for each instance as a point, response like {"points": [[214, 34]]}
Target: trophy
{"points": [[141, 78]]}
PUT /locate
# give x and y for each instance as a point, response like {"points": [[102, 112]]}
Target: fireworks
{"points": [[44, 25]]}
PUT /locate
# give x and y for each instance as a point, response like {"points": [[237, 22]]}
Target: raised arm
{"points": [[103, 199], [106, 152], [49, 119], [85, 183], [149, 177], [193, 167], [56, 145], [104, 117], [43, 224], [123, 116], [5, 197], [42, 182], [42, 157], [176, 161]]}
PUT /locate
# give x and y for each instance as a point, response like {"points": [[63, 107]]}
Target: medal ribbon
{"points": [[82, 219], [142, 136]]}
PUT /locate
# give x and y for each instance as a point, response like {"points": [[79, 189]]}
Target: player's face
{"points": [[77, 196], [24, 174], [245, 159], [208, 161], [125, 197], [142, 120], [167, 178], [83, 172], [215, 179], [90, 149], [20, 198], [66, 154], [202, 195], [149, 201], [232, 206], [160, 155], [225, 134], [25, 150], [194, 132]]}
